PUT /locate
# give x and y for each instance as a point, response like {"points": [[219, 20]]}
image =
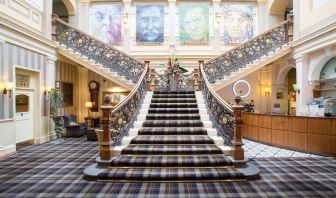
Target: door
{"points": [[24, 116]]}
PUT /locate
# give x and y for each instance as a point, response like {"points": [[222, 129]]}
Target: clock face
{"points": [[93, 85]]}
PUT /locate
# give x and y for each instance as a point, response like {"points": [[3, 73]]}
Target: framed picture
{"points": [[116, 97], [279, 95], [67, 90], [57, 85]]}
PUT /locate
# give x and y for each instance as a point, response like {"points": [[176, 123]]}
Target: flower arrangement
{"points": [[174, 69]]}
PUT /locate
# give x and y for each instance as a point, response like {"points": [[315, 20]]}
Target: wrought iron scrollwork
{"points": [[185, 83], [123, 118], [99, 52], [220, 115], [240, 56]]}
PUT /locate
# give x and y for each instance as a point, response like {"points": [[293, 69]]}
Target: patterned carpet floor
{"points": [[56, 170]]}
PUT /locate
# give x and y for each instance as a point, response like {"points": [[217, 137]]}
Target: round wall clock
{"points": [[241, 88], [93, 85]]}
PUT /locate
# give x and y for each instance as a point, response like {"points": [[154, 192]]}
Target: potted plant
{"points": [[56, 105]]}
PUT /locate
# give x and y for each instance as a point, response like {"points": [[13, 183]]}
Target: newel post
{"points": [[151, 78], [54, 27], [237, 149], [105, 145], [290, 28]]}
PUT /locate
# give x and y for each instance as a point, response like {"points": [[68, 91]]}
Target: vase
{"points": [[173, 83]]}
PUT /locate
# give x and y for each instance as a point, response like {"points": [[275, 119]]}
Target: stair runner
{"points": [[172, 145]]}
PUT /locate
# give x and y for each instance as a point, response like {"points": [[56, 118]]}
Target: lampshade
{"points": [[294, 87], [88, 104]]}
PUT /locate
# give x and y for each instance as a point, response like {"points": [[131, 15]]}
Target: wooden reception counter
{"points": [[308, 134]]}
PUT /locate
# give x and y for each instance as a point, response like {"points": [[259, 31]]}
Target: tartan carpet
{"points": [[56, 170]]}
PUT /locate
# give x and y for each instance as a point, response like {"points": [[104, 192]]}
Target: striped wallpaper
{"points": [[66, 72], [12, 56]]}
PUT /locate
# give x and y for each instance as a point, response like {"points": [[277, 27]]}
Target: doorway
{"points": [[24, 116]]}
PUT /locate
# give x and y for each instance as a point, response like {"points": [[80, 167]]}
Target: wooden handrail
{"points": [[56, 18], [289, 20]]}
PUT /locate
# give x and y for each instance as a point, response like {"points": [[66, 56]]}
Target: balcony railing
{"points": [[101, 53], [249, 51]]}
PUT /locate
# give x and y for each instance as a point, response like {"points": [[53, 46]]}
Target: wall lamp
{"points": [[125, 18], [267, 92], [47, 91], [8, 88]]}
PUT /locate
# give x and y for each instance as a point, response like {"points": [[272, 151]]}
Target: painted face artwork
{"points": [[194, 23], [239, 20], [149, 23], [106, 22]]}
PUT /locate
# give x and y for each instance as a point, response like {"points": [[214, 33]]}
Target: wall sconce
{"points": [[267, 93], [8, 88], [296, 89], [125, 18], [218, 18], [47, 91]]}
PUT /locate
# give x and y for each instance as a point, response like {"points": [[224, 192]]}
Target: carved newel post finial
{"points": [[237, 149]]}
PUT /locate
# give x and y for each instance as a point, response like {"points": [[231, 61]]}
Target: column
{"points": [[46, 19], [171, 26], [262, 10], [217, 22], [126, 34], [82, 17], [303, 90], [50, 82]]}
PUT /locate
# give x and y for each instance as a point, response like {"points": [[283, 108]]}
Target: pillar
{"points": [[303, 89], [82, 18], [126, 34], [217, 26], [172, 25], [83, 91]]}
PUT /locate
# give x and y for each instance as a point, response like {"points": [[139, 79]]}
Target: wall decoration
{"points": [[21, 103], [240, 22], [22, 80], [149, 23], [116, 97], [67, 90], [106, 22], [194, 22]]}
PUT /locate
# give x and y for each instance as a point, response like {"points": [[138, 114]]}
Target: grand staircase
{"points": [[173, 143]]}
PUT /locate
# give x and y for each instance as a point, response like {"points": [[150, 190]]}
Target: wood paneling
{"points": [[297, 140], [298, 124], [280, 137], [280, 123], [319, 126], [319, 143], [253, 120], [265, 135], [253, 132], [310, 134], [265, 121]]}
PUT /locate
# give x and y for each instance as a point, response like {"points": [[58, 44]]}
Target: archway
{"points": [[64, 9]]}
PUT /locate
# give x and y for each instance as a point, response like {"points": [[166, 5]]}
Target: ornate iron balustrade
{"points": [[186, 83], [96, 50], [220, 112], [124, 114], [247, 52]]}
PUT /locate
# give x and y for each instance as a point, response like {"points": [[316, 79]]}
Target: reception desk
{"points": [[308, 134]]}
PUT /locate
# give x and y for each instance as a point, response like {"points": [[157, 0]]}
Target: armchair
{"points": [[73, 129]]}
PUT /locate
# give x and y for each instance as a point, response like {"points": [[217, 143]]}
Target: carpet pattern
{"points": [[56, 170]]}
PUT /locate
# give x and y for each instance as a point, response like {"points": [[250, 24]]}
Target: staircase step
{"points": [[173, 100], [173, 110], [171, 161], [174, 92], [173, 117], [173, 105], [172, 123], [171, 139], [173, 131], [171, 150], [174, 96], [171, 174]]}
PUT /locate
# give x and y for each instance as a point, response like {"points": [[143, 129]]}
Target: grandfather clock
{"points": [[94, 91]]}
